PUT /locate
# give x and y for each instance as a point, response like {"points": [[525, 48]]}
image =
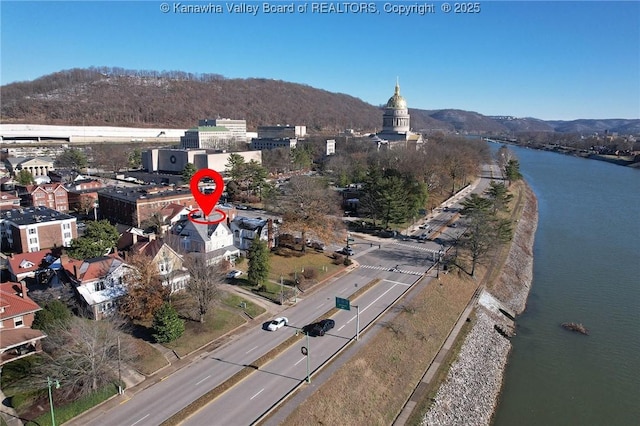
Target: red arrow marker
{"points": [[206, 201]]}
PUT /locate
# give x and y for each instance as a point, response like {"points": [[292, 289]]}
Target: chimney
{"points": [[134, 237], [75, 271], [23, 290]]}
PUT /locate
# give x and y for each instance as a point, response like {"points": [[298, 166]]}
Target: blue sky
{"points": [[549, 60]]}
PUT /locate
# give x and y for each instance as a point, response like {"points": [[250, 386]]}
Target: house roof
{"points": [[46, 187], [96, 297], [12, 305], [94, 269], [30, 262], [151, 248], [18, 336], [172, 211]]}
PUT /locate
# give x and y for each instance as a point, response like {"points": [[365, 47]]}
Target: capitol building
{"points": [[396, 131]]}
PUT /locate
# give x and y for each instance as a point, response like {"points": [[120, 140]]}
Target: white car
{"points": [[277, 323], [234, 274]]}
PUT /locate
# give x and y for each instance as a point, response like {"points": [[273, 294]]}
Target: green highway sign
{"points": [[343, 304]]}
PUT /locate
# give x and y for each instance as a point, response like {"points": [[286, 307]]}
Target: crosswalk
{"points": [[416, 247], [382, 268]]}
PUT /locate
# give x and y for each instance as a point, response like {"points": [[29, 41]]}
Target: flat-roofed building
{"points": [[175, 160], [281, 132], [134, 206], [215, 134], [32, 229]]}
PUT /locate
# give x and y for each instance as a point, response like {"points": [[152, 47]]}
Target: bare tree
{"points": [[309, 207], [84, 354], [204, 284]]}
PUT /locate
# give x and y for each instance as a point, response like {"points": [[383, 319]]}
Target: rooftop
{"points": [[31, 215], [142, 192]]}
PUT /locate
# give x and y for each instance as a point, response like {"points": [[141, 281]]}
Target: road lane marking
{"points": [[259, 392], [253, 348], [399, 283], [203, 380], [133, 424], [369, 305], [320, 307], [341, 328], [303, 358]]}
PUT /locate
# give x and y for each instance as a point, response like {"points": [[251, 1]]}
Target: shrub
{"points": [[310, 273], [338, 259], [347, 262]]}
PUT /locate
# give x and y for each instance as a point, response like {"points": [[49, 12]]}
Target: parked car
{"points": [[234, 274], [277, 323]]}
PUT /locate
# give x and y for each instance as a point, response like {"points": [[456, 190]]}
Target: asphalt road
{"points": [[397, 263]]}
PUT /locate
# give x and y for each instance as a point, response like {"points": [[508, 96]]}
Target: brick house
{"points": [[17, 311], [51, 195]]}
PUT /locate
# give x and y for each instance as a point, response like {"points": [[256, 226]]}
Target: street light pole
{"points": [[55, 383], [308, 356]]}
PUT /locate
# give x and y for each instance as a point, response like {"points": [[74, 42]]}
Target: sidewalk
{"points": [[8, 414]]}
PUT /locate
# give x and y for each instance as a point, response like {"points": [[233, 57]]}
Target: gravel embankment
{"points": [[470, 393]]}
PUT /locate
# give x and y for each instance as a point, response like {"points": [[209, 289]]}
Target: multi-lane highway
{"points": [[396, 263]]}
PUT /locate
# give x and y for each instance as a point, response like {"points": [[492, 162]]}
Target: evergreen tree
{"points": [[258, 262], [167, 325], [499, 195], [97, 240], [188, 172], [71, 158], [512, 170], [53, 314]]}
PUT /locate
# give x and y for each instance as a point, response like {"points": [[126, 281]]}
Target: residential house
{"points": [[9, 200], [245, 230], [17, 311], [33, 229], [99, 283], [169, 262], [213, 242]]}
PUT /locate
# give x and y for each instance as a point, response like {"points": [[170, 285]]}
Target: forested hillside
{"points": [[108, 96]]}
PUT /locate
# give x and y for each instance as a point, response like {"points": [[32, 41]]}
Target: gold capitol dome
{"points": [[397, 101]]}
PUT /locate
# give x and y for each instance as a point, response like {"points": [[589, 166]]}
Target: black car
{"points": [[322, 327]]}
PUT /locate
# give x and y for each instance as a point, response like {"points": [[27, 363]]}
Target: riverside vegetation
{"points": [[373, 386]]}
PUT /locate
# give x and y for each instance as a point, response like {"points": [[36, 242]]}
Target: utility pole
{"points": [[119, 370], [56, 383], [281, 291]]}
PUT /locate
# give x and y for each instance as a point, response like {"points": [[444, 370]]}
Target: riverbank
{"points": [[470, 392]]}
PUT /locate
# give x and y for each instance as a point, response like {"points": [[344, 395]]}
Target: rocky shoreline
{"points": [[470, 393]]}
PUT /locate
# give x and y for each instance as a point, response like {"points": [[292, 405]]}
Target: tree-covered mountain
{"points": [[118, 97]]}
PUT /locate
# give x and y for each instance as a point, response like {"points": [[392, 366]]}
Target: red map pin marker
{"points": [[206, 201]]}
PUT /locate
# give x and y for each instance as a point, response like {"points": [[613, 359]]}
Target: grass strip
{"points": [[205, 399], [69, 411]]}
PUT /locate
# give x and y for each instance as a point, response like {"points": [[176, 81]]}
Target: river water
{"points": [[586, 269]]}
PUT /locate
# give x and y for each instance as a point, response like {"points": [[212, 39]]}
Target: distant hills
{"points": [[118, 97]]}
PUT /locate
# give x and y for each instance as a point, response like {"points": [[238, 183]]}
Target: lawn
{"points": [[235, 301], [217, 323]]}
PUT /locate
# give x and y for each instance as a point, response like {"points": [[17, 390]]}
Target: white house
{"points": [[99, 283], [246, 230], [215, 242]]}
